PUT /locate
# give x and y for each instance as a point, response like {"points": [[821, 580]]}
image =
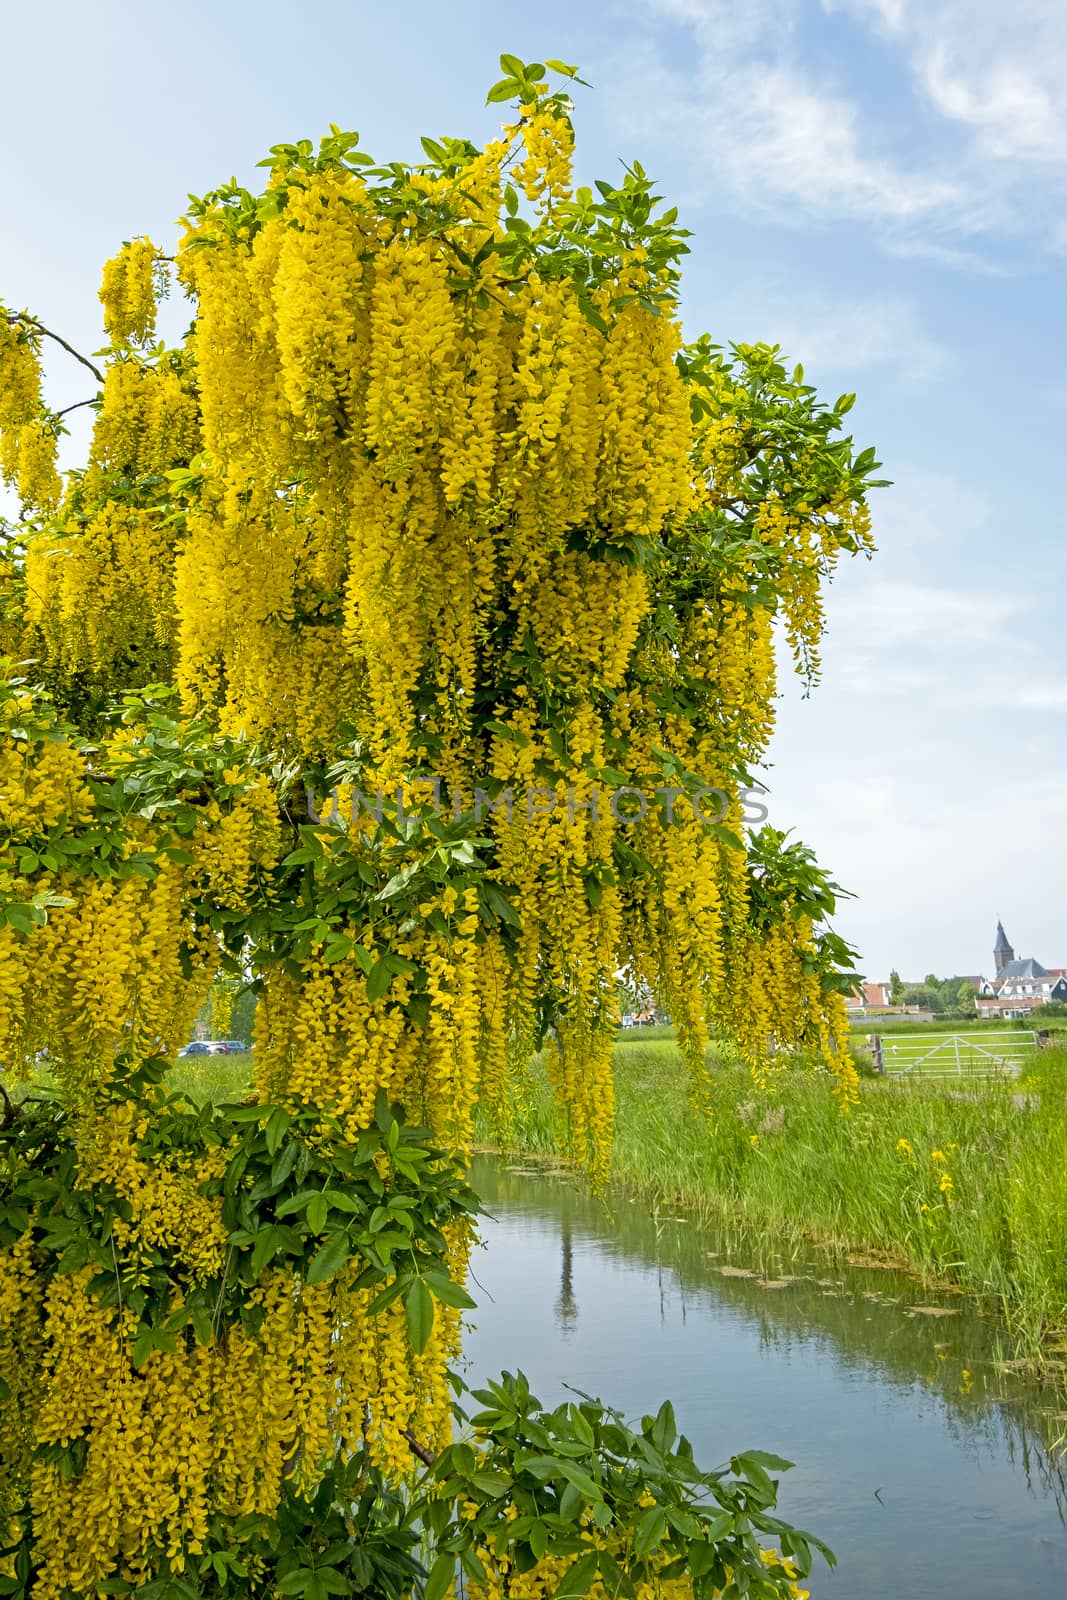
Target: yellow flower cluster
{"points": [[42, 782], [168, 1209], [28, 462], [101, 595], [196, 1433], [20, 374], [20, 1356], [105, 976], [148, 420], [127, 292], [545, 173]]}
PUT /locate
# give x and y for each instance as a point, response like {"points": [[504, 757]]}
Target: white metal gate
{"points": [[958, 1055]]}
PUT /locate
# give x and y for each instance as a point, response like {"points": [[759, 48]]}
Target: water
{"points": [[919, 1460]]}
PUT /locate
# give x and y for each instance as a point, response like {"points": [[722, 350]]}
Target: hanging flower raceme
{"points": [[127, 293]]}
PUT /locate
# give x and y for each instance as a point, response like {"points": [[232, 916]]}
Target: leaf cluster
{"points": [[295, 1194], [626, 1506]]}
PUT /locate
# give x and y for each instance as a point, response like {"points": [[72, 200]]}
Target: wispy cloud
{"points": [[975, 109], [939, 648], [885, 614], [836, 336], [999, 72]]}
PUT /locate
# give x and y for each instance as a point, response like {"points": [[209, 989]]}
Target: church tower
{"points": [[1002, 950]]}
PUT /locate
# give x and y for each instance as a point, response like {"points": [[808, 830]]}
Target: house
{"points": [[873, 997], [1017, 987], [869, 996]]}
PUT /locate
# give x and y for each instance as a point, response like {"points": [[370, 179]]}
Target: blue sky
{"points": [[878, 185]]}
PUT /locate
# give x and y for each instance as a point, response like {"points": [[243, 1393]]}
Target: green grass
{"points": [[861, 1026], [214, 1078], [653, 1033], [789, 1162]]}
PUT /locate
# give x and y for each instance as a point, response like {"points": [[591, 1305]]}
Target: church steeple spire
{"points": [[1002, 950]]}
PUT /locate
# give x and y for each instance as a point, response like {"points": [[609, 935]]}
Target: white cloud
{"points": [[940, 648], [850, 337], [769, 131], [970, 100], [922, 844], [1040, 696], [949, 255], [923, 513], [836, 337], [999, 71], [924, 633], [885, 614]]}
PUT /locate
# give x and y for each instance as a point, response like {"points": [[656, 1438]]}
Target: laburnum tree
{"points": [[382, 656]]}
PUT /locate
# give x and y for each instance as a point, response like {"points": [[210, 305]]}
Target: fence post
{"points": [[959, 1064]]}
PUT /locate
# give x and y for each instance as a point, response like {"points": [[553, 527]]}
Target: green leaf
{"points": [[506, 89], [379, 979], [448, 1291], [664, 1431], [143, 1346], [328, 1262], [264, 1249], [21, 917], [284, 1162], [333, 1582], [491, 1483], [581, 1480], [203, 1328], [318, 1206], [578, 1578], [277, 1127], [441, 1575], [651, 1526], [763, 1458], [418, 1308]]}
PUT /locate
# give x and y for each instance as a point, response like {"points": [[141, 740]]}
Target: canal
{"points": [[923, 1461]]}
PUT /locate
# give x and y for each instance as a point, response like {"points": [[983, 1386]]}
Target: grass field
{"points": [[213, 1078], [981, 1027], [646, 1033]]}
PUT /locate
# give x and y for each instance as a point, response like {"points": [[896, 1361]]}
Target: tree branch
{"points": [[33, 322], [418, 1450], [77, 404]]}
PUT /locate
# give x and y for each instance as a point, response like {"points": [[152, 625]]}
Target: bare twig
{"points": [[76, 406], [9, 1108], [32, 322], [118, 1274]]}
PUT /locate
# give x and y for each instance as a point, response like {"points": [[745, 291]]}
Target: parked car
{"points": [[229, 1047], [197, 1047]]}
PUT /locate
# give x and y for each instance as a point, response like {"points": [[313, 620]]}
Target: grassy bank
{"points": [[959, 1182], [968, 1184]]}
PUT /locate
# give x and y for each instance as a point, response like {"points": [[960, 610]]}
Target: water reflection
{"points": [[566, 1304], [925, 1464]]}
